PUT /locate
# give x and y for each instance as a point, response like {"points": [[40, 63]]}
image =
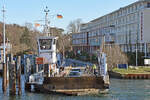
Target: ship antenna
{"points": [[46, 26]]}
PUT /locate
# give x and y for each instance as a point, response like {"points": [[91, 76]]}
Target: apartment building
{"points": [[127, 26]]}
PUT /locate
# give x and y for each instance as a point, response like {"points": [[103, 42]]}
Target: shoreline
{"points": [[118, 75]]}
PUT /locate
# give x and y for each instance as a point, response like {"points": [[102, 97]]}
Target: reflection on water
{"points": [[119, 90]]}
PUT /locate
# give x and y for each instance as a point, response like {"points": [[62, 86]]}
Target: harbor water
{"points": [[119, 90]]}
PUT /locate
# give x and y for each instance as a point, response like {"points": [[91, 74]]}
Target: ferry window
{"points": [[45, 44], [54, 41], [148, 5]]}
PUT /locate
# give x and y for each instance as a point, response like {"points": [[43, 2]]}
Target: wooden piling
{"points": [[7, 65], [37, 68], [19, 74], [4, 78], [12, 76], [27, 70]]}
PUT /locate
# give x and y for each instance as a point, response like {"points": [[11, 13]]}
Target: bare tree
{"points": [[114, 55], [29, 25], [63, 42], [1, 39], [74, 26], [15, 32]]}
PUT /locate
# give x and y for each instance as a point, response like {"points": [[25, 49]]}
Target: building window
{"points": [[132, 8], [128, 10], [135, 7], [148, 5]]}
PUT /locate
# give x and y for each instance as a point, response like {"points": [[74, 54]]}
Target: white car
{"points": [[76, 69], [75, 72]]}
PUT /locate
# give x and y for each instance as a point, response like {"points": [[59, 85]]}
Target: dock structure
{"points": [[12, 75]]}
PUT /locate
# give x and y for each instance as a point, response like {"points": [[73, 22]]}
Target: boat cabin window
{"points": [[45, 44], [54, 41]]}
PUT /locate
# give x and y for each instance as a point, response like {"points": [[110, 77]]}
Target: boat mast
{"points": [[46, 26]]}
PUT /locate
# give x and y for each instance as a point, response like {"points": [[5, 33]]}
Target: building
{"points": [[126, 27]]}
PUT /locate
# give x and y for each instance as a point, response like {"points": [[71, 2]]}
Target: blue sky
{"points": [[21, 11]]}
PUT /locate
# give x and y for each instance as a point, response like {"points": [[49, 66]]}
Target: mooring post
{"points": [[12, 77], [4, 78], [27, 74], [7, 65], [37, 68], [28, 69], [19, 74]]}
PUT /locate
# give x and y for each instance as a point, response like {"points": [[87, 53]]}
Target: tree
{"points": [[16, 35], [1, 39], [29, 26], [114, 55], [25, 38], [74, 26], [63, 42]]}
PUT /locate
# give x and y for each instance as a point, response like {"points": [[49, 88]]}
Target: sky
{"points": [[29, 11]]}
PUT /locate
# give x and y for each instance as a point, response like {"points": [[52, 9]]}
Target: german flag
{"points": [[59, 16]]}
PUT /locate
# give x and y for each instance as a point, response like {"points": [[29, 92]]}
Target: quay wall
{"points": [[129, 76]]}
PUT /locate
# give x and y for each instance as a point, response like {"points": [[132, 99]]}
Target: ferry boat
{"points": [[49, 79]]}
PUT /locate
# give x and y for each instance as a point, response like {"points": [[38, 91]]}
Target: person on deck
{"points": [[94, 69]]}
